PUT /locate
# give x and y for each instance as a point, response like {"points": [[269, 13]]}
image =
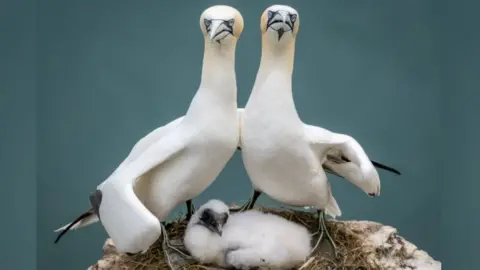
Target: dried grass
{"points": [[349, 247]]}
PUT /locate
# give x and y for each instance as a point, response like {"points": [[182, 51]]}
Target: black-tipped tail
{"points": [[378, 165], [385, 167], [81, 218]]}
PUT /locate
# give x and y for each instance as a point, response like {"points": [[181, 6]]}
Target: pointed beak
{"points": [[218, 229], [215, 29], [285, 17]]}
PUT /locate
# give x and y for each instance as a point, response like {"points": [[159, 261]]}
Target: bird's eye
{"points": [[293, 17], [207, 22], [225, 218], [270, 14], [230, 22]]}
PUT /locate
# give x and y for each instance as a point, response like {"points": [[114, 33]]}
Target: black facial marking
{"points": [[212, 220], [280, 33], [207, 23], [227, 23], [207, 217], [293, 17], [271, 15], [95, 201], [224, 218], [273, 19]]}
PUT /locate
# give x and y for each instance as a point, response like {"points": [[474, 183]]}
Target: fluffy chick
{"points": [[245, 240], [203, 237]]}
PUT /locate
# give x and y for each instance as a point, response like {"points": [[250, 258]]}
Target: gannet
{"points": [[178, 161], [245, 240], [284, 157]]}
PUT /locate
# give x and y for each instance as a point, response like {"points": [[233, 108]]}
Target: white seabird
{"points": [[245, 240], [284, 157], [178, 161]]}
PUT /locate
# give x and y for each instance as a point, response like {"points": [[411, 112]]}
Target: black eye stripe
{"points": [[225, 218], [293, 17], [207, 23], [272, 20], [271, 15], [228, 23]]}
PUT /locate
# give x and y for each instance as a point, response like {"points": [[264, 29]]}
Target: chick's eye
{"points": [[207, 22], [231, 22], [270, 14], [293, 17]]}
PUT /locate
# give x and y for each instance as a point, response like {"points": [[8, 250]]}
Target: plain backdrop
{"points": [[82, 81]]}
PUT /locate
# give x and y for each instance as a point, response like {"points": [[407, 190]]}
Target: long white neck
{"points": [[218, 85], [276, 57], [277, 61], [218, 59]]}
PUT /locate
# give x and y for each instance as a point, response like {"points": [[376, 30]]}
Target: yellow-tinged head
{"points": [[280, 23], [221, 24]]}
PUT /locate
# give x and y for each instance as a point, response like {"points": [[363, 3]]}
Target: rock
{"points": [[381, 245], [388, 250]]}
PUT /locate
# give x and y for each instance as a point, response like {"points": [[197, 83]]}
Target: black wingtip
{"points": [[78, 219], [378, 165], [239, 148], [95, 201], [385, 167]]}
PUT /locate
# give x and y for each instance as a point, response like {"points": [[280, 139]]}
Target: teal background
{"points": [[459, 44], [18, 191], [82, 81]]}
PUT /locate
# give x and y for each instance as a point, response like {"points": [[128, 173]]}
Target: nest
{"points": [[351, 254]]}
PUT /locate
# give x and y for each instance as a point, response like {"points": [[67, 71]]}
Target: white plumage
{"points": [[176, 162], [284, 157], [202, 237], [248, 239]]}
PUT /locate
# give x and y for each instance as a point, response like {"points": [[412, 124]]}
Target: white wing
{"points": [[132, 227], [156, 153], [146, 141], [90, 216], [343, 155], [153, 137]]}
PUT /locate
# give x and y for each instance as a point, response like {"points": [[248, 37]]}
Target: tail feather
{"points": [[83, 220], [332, 209]]}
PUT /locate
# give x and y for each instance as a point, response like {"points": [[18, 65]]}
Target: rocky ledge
{"points": [[361, 245]]}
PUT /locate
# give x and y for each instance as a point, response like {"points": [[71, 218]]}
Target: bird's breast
{"points": [[265, 130], [219, 136]]}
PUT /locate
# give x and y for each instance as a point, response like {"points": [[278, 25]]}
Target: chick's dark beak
{"points": [[218, 229]]}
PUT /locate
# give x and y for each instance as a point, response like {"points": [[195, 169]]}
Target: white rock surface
{"points": [[389, 250]]}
